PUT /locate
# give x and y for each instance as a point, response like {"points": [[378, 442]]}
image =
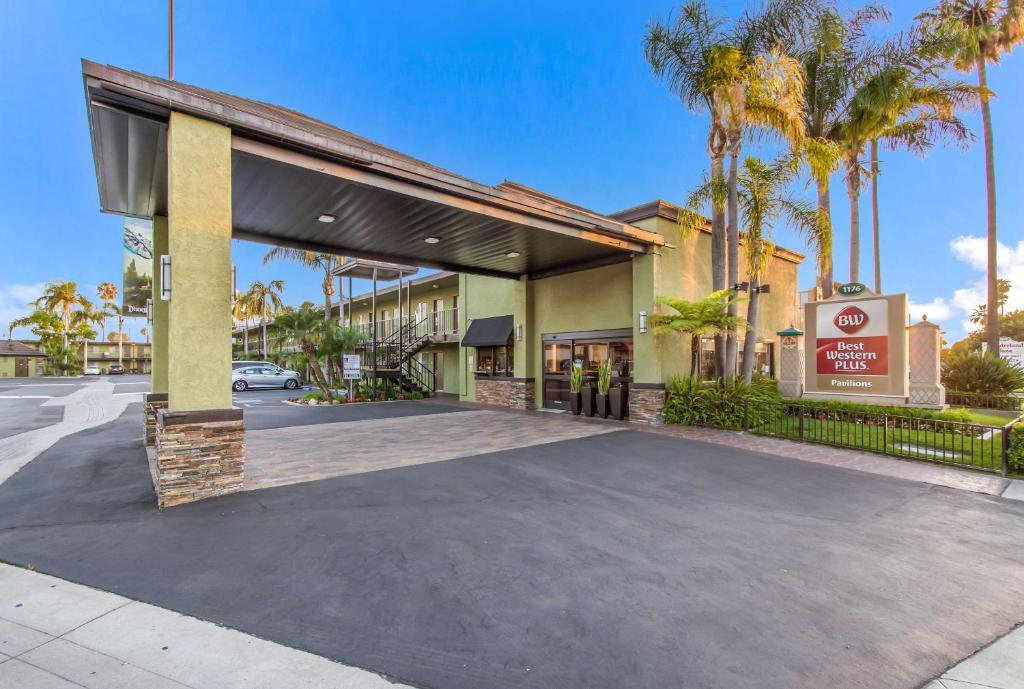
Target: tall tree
{"points": [[837, 54], [906, 105], [972, 34], [107, 294], [118, 313], [62, 299], [264, 303], [764, 202], [240, 312], [685, 51], [305, 328], [310, 259]]}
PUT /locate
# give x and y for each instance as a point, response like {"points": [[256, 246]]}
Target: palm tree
{"points": [[972, 33], [836, 55], [306, 328], [264, 301], [904, 104], [240, 311], [310, 259], [62, 299], [763, 202], [82, 332], [686, 52], [339, 340], [145, 333], [707, 317], [107, 294]]}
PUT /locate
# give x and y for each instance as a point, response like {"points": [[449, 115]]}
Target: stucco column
{"points": [[199, 243], [926, 388], [200, 438], [523, 390], [791, 363]]}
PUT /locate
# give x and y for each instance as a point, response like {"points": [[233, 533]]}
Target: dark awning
{"points": [[489, 332]]}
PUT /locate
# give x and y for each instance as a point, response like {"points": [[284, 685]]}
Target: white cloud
{"points": [[936, 310], [973, 250], [14, 300]]}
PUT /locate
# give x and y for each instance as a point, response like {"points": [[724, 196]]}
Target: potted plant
{"points": [[618, 398], [604, 384], [575, 387]]}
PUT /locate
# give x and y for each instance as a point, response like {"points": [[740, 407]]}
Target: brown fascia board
{"points": [[289, 128], [668, 211]]}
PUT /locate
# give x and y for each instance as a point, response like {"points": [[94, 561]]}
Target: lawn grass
{"points": [[935, 441]]}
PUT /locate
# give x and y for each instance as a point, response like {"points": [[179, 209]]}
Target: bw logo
{"points": [[851, 320]]}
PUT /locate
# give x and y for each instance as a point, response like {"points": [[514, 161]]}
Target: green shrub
{"points": [[314, 395], [576, 378], [979, 373], [415, 395], [604, 377], [1016, 453]]}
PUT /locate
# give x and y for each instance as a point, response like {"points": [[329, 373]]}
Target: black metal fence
{"points": [[977, 446]]}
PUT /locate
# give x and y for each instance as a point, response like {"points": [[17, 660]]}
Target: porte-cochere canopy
{"points": [[302, 183]]}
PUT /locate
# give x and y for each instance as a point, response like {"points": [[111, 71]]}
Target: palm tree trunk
{"points": [[992, 308], [120, 340], [825, 215], [314, 365], [718, 257], [874, 217], [245, 338], [695, 356], [328, 288], [853, 192], [266, 348], [750, 342], [732, 260]]}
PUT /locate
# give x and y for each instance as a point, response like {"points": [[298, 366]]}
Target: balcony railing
{"points": [[438, 325]]}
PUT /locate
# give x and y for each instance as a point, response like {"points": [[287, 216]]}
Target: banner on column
{"points": [[137, 282]]}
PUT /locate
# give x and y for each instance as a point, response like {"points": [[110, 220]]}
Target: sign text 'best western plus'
{"points": [[857, 345]]}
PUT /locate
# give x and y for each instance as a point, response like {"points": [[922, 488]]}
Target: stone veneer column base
{"points": [[646, 403], [152, 402], [933, 396], [199, 455], [516, 393]]}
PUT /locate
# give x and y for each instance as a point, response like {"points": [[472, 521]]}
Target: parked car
{"points": [[91, 370], [235, 365], [268, 376], [116, 370]]}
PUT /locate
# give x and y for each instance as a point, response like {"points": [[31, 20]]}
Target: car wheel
{"points": [[239, 386], [291, 384]]}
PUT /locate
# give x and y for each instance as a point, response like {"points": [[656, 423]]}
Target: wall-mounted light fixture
{"points": [[741, 286], [519, 332], [763, 289], [165, 278], [643, 321]]}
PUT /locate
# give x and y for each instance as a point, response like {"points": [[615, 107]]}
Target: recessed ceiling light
{"points": [[326, 218], [436, 286], [513, 254], [432, 240]]}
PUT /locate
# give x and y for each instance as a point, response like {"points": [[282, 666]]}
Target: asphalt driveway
{"points": [[625, 559]]}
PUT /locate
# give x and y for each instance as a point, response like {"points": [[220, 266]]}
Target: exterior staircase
{"points": [[395, 356]]}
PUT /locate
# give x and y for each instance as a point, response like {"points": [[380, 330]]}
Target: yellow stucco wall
{"points": [[161, 308], [199, 243], [7, 366]]}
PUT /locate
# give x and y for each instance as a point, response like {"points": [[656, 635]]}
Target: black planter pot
{"points": [[602, 405], [575, 403], [589, 394], [618, 396]]}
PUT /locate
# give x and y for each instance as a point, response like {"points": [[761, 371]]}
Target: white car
{"points": [[264, 376], [91, 370]]}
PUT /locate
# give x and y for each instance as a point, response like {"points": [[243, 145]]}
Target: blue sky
{"points": [[554, 95]]}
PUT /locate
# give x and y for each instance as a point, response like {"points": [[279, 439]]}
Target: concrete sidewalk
{"points": [[59, 635], [997, 666]]}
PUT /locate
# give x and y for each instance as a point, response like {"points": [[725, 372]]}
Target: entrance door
{"points": [[21, 368], [438, 371]]}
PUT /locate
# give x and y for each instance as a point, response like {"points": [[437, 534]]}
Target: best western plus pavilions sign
{"points": [[857, 344]]}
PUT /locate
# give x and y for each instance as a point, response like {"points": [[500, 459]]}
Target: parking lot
{"points": [[466, 548]]}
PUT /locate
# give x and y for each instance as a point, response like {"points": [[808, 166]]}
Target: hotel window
{"points": [[494, 361]]}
